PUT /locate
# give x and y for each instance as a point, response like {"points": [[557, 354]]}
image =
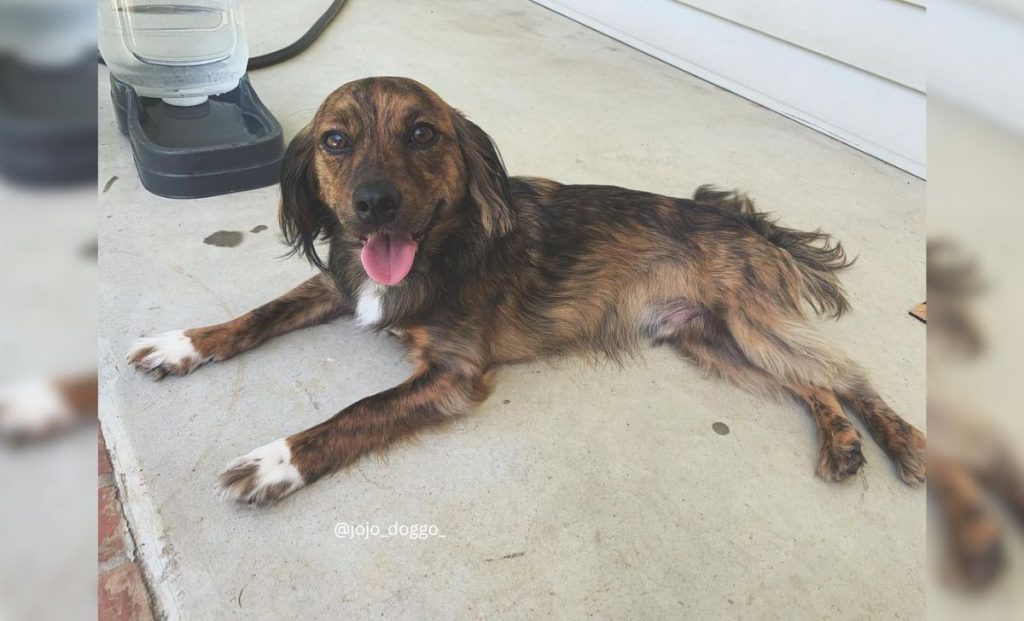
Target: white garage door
{"points": [[854, 69]]}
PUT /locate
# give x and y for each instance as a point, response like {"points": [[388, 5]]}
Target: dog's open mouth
{"points": [[388, 256]]}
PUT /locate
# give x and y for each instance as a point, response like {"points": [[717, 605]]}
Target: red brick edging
{"points": [[122, 590]]}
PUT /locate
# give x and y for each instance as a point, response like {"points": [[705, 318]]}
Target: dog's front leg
{"points": [[180, 351], [432, 396]]}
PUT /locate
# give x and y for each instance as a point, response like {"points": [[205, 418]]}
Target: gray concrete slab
{"points": [[576, 490]]}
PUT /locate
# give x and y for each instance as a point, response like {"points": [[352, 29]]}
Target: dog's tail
{"points": [[817, 255]]}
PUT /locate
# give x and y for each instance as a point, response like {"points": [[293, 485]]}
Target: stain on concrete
{"points": [[259, 228], [506, 557], [110, 182], [224, 239], [721, 429]]}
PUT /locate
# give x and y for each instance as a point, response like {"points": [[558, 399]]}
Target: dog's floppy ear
{"points": [[303, 216], [488, 180]]}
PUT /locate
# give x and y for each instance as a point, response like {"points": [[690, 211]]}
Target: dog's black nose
{"points": [[376, 203]]}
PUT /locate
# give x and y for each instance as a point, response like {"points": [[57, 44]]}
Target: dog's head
{"points": [[391, 167]]}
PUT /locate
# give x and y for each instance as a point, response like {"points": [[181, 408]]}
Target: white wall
{"points": [[853, 69]]}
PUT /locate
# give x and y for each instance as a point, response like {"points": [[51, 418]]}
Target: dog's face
{"points": [[387, 163]]}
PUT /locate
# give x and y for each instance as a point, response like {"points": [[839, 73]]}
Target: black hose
{"points": [[290, 51], [303, 42]]}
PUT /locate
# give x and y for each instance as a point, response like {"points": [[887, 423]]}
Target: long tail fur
{"points": [[817, 255]]}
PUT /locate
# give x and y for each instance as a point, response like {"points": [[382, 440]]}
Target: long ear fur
{"points": [[488, 179], [303, 216]]}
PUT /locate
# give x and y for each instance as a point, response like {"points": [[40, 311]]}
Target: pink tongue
{"points": [[388, 257]]}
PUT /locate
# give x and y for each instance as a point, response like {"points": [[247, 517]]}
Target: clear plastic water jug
{"points": [[179, 51]]}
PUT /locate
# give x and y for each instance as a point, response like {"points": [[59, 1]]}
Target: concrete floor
{"points": [[575, 490]]}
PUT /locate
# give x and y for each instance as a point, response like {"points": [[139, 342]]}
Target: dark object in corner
{"points": [[47, 122]]}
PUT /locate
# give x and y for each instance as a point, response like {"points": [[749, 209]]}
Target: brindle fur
{"points": [[516, 269], [313, 302], [974, 467], [976, 543]]}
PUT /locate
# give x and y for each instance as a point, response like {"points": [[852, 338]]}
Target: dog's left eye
{"points": [[422, 134], [336, 142]]}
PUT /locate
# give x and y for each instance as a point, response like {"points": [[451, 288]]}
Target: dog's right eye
{"points": [[336, 142]]}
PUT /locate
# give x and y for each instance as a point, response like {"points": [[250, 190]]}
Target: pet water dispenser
{"points": [[182, 96], [47, 92]]}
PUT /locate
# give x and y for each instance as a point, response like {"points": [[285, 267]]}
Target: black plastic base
{"points": [[227, 144], [48, 122]]}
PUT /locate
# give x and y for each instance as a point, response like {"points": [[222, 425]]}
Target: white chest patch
{"points": [[368, 305]]}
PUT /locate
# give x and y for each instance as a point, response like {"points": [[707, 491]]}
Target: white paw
{"points": [[33, 409], [262, 477], [170, 352]]}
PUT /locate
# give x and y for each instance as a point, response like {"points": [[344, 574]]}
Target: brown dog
{"points": [[429, 238]]}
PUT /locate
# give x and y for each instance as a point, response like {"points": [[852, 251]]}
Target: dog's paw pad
{"points": [[977, 556], [912, 459], [33, 409], [168, 353], [841, 459], [262, 477]]}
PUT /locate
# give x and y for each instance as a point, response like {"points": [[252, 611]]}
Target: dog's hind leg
{"points": [[976, 542], [180, 351], [709, 341], [900, 440], [840, 455], [788, 349]]}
